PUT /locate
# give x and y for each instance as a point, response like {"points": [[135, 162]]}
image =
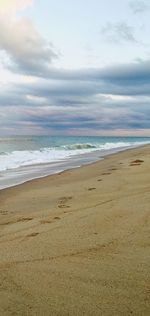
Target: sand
{"points": [[77, 243]]}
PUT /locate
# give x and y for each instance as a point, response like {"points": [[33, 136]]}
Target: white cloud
{"points": [[117, 97]]}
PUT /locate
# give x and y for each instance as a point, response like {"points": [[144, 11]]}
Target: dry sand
{"points": [[77, 243]]}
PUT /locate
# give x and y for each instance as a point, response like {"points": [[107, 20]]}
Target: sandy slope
{"points": [[77, 243]]}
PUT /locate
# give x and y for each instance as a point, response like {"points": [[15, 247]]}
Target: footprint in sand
{"points": [[106, 173], [46, 221], [56, 217], [90, 189], [3, 212], [63, 200], [32, 235], [63, 206], [24, 219], [49, 221]]}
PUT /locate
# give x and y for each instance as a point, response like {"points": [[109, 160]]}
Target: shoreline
{"points": [[35, 173], [77, 242]]}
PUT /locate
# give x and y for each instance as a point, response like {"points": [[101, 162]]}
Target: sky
{"points": [[75, 67]]}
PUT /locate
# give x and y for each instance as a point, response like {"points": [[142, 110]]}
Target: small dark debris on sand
{"points": [[136, 162]]}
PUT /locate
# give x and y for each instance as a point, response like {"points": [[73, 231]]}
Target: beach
{"points": [[77, 242]]}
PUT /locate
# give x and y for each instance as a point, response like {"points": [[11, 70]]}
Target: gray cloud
{"points": [[97, 99], [76, 88], [126, 79], [102, 115], [132, 72], [139, 6], [118, 32]]}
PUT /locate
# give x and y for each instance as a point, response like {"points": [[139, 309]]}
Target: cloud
{"points": [[54, 100], [118, 32], [138, 6], [103, 114], [98, 117], [79, 87], [22, 43], [92, 99], [124, 79]]}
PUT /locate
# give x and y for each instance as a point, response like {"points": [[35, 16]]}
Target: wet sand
{"points": [[77, 243]]}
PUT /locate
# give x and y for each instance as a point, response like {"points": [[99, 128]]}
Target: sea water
{"points": [[23, 158]]}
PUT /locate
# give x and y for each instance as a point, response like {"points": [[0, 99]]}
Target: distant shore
{"points": [[77, 242]]}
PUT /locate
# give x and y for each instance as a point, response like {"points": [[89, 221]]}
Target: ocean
{"points": [[23, 158]]}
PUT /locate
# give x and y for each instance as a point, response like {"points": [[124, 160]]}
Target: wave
{"points": [[80, 146], [105, 146], [21, 158]]}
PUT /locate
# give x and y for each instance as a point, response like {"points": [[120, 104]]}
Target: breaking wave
{"points": [[80, 146], [21, 158]]}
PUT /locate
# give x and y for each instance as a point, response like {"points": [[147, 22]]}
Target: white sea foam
{"points": [[16, 159], [21, 158]]}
